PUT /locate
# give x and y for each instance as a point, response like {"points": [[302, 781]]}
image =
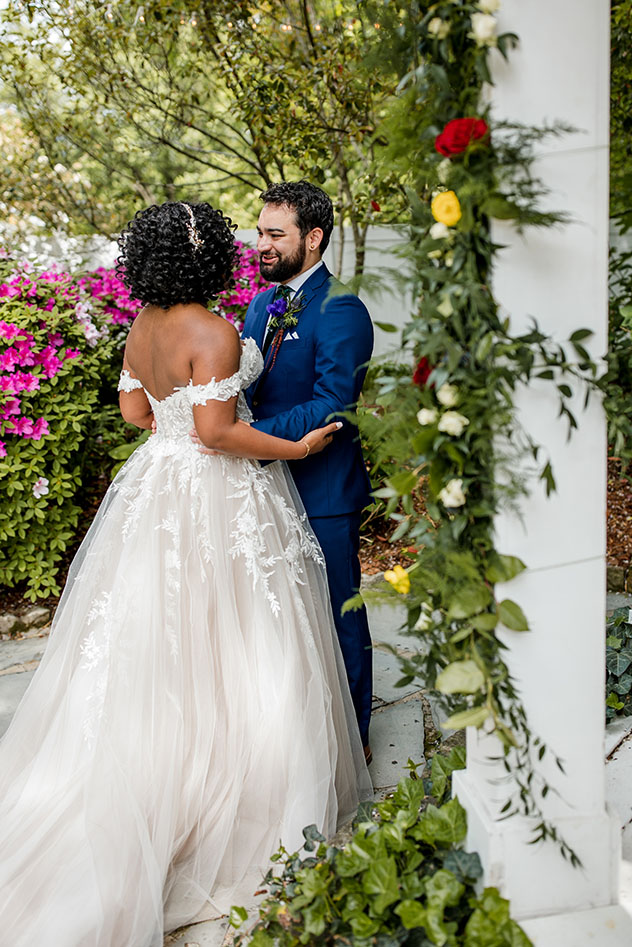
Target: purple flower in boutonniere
{"points": [[284, 312]]}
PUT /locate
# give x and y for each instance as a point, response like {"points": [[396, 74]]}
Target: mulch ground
{"points": [[377, 553]]}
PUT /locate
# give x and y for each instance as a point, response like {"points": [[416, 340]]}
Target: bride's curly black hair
{"points": [[177, 252]]}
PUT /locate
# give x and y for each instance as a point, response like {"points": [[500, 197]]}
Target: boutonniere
{"points": [[285, 312]]}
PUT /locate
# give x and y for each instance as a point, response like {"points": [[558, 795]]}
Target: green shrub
{"points": [[402, 879], [619, 664], [51, 354]]}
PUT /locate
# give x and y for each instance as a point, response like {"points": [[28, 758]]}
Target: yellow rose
{"points": [[446, 208], [399, 579]]}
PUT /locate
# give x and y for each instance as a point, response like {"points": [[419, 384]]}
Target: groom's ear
{"points": [[314, 239]]}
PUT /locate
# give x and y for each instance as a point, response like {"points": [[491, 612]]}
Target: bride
{"points": [[191, 710]]}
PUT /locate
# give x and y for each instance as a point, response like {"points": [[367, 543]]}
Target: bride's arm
{"points": [[133, 401], [216, 422]]}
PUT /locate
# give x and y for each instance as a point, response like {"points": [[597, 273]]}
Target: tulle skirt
{"points": [[190, 713]]}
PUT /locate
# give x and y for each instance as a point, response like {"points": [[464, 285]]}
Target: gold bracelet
{"points": [[307, 448]]}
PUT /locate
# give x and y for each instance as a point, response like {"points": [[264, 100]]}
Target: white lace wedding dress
{"points": [[188, 713]]}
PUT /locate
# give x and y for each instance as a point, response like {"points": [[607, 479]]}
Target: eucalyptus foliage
{"points": [[455, 439]]}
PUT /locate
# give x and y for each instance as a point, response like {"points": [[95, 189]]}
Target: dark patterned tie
{"points": [[286, 293]]}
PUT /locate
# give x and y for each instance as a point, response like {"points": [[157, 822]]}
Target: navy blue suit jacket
{"points": [[314, 378]]}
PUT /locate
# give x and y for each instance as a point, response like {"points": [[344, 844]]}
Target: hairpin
{"points": [[194, 235]]}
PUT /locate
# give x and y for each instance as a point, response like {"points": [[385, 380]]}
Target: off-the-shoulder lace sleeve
{"points": [[214, 390], [127, 383]]}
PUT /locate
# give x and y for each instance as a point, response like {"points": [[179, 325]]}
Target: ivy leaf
{"points": [[512, 616], [444, 826], [237, 916], [412, 914], [442, 768], [618, 662], [460, 677], [380, 881], [466, 866]]}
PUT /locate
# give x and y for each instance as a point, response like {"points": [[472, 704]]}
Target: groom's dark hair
{"points": [[313, 208]]}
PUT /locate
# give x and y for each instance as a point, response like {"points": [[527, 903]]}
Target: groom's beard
{"points": [[283, 268]]}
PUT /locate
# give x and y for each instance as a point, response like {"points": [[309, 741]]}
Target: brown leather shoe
{"points": [[368, 756]]}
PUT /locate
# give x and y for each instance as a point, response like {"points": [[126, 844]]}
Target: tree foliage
{"points": [[180, 100]]}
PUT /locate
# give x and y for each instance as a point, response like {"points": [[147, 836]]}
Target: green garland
{"points": [[453, 435]]}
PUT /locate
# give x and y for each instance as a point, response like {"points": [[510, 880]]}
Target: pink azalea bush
{"points": [[60, 355]]}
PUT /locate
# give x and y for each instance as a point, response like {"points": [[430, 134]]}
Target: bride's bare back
{"points": [[167, 348]]}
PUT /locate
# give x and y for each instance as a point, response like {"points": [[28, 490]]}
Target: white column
{"points": [[559, 276]]}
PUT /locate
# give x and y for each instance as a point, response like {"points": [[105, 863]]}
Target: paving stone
{"points": [[22, 650], [397, 733], [386, 672], [385, 623], [8, 623], [12, 687], [36, 617], [205, 934]]}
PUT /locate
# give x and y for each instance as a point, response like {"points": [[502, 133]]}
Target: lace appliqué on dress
{"points": [[127, 383]]}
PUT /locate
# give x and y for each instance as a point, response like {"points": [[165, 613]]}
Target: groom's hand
{"points": [[193, 434]]}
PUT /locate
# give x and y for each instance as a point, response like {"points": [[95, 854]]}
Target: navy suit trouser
{"points": [[339, 538]]}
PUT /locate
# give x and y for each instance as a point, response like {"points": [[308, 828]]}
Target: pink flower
{"points": [[3, 449], [11, 407], [55, 338], [40, 429], [50, 304], [72, 353], [8, 383], [40, 487], [9, 360], [8, 330], [23, 427], [26, 381]]}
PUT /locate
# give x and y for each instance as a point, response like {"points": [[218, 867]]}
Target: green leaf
{"points": [[475, 717], [442, 767], [511, 616], [237, 916], [468, 600], [503, 568], [386, 326], [460, 677], [403, 482], [444, 826], [617, 662], [412, 914], [380, 881]]}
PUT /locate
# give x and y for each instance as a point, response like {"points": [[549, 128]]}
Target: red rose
{"points": [[375, 205], [422, 372], [458, 134]]}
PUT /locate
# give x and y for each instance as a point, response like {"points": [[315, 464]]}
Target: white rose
{"points": [[443, 170], [59, 168], [484, 29], [448, 395], [453, 423], [439, 231], [438, 27], [452, 494], [424, 621], [42, 159], [426, 416], [489, 6]]}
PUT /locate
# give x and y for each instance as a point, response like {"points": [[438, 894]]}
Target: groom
{"points": [[315, 355]]}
